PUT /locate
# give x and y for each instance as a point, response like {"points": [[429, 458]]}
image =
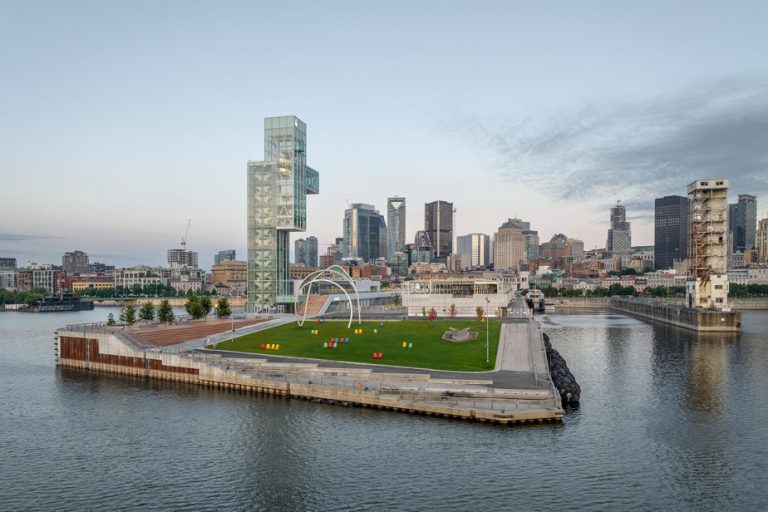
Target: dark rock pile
{"points": [[563, 379]]}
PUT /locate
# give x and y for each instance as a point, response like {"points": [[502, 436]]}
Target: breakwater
{"points": [[103, 349], [700, 320], [562, 378]]}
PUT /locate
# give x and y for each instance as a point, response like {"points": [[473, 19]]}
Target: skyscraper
{"points": [[742, 222], [670, 231], [222, 256], [509, 250], [619, 234], [395, 225], [365, 233], [475, 249], [75, 262], [305, 251], [438, 223], [277, 204]]}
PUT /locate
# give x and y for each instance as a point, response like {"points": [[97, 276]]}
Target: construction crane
{"points": [[184, 238]]}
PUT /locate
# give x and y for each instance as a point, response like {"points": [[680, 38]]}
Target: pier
{"points": [[519, 390], [695, 319]]}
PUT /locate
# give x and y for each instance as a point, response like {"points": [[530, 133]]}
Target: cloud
{"points": [[641, 150], [15, 237]]}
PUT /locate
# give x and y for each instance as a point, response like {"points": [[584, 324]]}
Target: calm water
{"points": [[668, 421]]}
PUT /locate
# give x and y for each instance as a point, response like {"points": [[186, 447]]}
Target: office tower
{"points": [[670, 231], [619, 234], [305, 251], [395, 225], [509, 245], [531, 244], [475, 248], [277, 204], [742, 222], [708, 243], [223, 256], [365, 233], [75, 262], [438, 223], [761, 241], [178, 258], [561, 251]]}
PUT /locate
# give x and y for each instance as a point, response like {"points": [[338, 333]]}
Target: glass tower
{"points": [[277, 204], [395, 225]]}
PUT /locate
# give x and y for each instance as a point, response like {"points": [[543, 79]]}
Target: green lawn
{"points": [[429, 349]]}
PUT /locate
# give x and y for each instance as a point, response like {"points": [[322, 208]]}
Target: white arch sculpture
{"points": [[316, 277]]}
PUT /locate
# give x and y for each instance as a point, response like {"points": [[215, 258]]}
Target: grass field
{"points": [[429, 349]]}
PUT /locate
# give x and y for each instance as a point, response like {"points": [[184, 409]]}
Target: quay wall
{"points": [[741, 304], [109, 352], [689, 318]]}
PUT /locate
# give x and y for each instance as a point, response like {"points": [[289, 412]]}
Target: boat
{"points": [[59, 302]]}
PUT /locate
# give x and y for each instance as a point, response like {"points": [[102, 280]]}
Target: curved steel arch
{"points": [[317, 276]]}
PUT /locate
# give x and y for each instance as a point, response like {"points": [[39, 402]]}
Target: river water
{"points": [[669, 421]]}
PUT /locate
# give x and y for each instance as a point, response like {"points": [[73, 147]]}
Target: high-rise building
{"points": [[562, 251], [75, 262], [509, 245], [305, 251], [8, 263], [619, 234], [438, 223], [395, 225], [277, 204], [670, 231], [365, 233], [475, 248], [742, 223], [531, 244], [761, 240], [708, 243], [178, 258], [222, 256]]}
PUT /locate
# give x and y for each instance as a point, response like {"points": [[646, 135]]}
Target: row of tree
{"points": [[18, 297], [197, 307], [137, 290]]}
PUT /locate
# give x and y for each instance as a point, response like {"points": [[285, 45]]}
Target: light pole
{"points": [[487, 345]]}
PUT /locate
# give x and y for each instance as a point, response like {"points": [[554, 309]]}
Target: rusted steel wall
{"points": [[75, 348]]}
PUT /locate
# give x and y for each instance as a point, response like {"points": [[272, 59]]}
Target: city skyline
{"points": [[160, 114]]}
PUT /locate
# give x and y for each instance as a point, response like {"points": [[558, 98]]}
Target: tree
{"points": [[396, 300], [479, 313], [128, 314], [147, 312], [194, 307], [452, 311], [165, 312], [423, 311], [205, 301], [110, 319], [223, 308], [432, 314]]}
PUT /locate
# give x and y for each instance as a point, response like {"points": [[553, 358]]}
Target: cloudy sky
{"points": [[121, 120]]}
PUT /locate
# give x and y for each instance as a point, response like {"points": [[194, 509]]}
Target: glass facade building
{"points": [[395, 225], [670, 221], [277, 204], [438, 223], [365, 233]]}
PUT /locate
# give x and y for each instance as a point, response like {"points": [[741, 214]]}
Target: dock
{"points": [[695, 319], [519, 390]]}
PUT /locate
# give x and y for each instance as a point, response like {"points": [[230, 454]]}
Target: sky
{"points": [[119, 121]]}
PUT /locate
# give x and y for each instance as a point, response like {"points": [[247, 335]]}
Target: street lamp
{"points": [[487, 345]]}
